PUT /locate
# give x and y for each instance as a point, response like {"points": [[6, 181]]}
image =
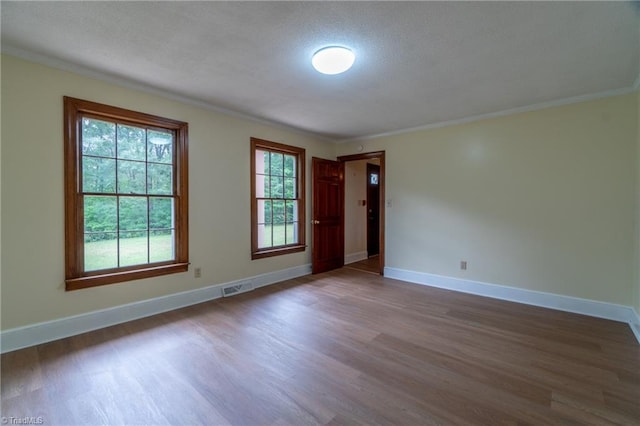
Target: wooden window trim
{"points": [[75, 276], [259, 253]]}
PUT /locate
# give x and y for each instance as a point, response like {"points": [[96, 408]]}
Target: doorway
{"points": [[328, 212], [373, 217], [373, 210]]}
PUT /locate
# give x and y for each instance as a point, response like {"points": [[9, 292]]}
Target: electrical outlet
{"points": [[463, 265], [197, 272]]}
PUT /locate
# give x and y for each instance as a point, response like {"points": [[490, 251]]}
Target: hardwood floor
{"points": [[344, 347], [371, 265]]}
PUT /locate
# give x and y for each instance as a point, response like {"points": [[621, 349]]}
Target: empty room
{"points": [[332, 213]]}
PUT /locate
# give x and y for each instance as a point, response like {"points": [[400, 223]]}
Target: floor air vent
{"points": [[238, 288]]}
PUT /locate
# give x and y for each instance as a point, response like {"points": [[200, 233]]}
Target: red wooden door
{"points": [[327, 229]]}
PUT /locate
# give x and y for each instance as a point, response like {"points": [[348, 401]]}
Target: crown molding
{"points": [[510, 111], [135, 85]]}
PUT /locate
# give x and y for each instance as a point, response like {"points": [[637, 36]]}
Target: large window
{"points": [[126, 195], [277, 199]]}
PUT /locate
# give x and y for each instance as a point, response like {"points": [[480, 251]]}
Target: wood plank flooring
{"points": [[344, 347], [371, 265]]}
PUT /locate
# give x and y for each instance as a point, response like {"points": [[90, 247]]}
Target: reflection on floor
{"points": [[371, 265]]}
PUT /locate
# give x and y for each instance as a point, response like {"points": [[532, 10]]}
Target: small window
{"points": [[277, 199], [373, 178], [126, 195]]}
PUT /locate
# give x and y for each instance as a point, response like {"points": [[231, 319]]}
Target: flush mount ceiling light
{"points": [[333, 60]]}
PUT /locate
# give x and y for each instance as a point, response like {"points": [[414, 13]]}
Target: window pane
{"points": [[278, 234], [264, 211], [131, 177], [291, 211], [100, 214], [161, 246], [267, 187], [265, 162], [262, 161], [98, 175], [133, 213], [159, 179], [264, 236], [131, 143], [100, 251], [292, 233], [262, 188], [277, 187], [134, 248], [160, 213], [289, 188], [278, 211], [277, 164], [289, 166], [98, 138], [160, 146]]}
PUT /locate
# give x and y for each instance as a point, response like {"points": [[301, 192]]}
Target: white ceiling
{"points": [[417, 63]]}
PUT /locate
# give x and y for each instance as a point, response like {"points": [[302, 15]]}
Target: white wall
{"points": [[542, 200], [33, 199], [355, 214]]}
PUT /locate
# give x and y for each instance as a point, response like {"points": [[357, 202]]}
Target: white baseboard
{"points": [[530, 297], [30, 335], [34, 334], [355, 257]]}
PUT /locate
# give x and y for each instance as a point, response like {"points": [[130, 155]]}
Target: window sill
{"points": [[277, 251], [118, 277]]}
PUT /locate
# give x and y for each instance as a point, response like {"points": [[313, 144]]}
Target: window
{"points": [[126, 195], [277, 199]]}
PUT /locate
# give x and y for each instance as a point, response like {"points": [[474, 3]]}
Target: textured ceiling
{"points": [[417, 63]]}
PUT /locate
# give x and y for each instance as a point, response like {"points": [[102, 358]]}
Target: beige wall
{"points": [[541, 200], [355, 214], [32, 195]]}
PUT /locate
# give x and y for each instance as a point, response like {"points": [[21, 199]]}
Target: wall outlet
{"points": [[197, 272], [463, 265]]}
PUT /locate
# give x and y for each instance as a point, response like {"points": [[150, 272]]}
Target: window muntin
{"points": [[277, 198], [126, 193]]}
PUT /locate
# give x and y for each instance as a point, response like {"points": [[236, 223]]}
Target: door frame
{"points": [[380, 155]]}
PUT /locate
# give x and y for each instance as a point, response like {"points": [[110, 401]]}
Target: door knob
{"points": [[315, 222]]}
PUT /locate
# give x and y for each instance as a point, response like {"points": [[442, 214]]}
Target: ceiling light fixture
{"points": [[333, 60]]}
